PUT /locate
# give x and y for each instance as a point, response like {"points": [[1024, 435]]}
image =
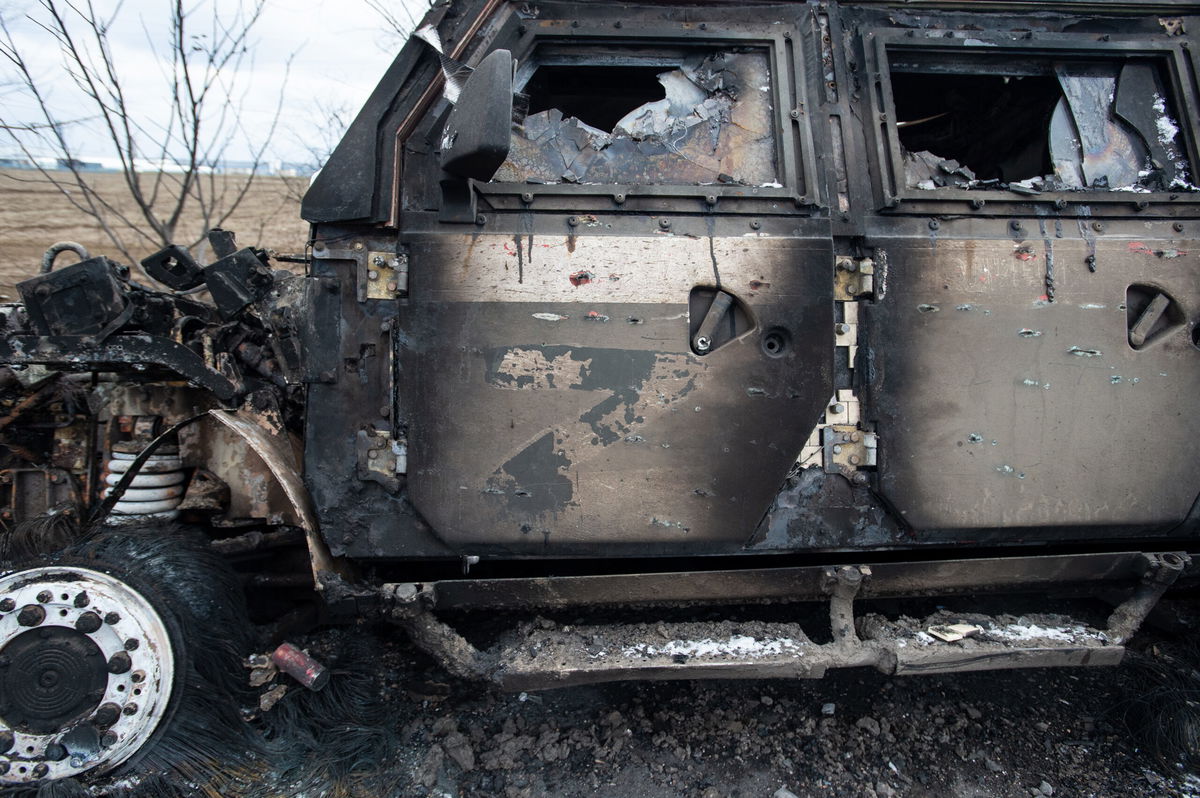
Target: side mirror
{"points": [[479, 130]]}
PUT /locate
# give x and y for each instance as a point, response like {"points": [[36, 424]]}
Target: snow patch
{"points": [[735, 646]]}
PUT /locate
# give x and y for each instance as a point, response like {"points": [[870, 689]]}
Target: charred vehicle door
{"points": [[853, 279]]}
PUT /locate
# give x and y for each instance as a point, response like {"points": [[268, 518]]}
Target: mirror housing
{"points": [[479, 131]]}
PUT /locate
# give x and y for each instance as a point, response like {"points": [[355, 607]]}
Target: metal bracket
{"points": [[846, 449], [381, 459], [386, 275], [853, 278]]}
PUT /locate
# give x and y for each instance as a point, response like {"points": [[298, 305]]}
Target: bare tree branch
{"points": [[169, 162]]}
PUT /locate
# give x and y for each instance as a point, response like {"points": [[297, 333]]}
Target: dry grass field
{"points": [[34, 214]]}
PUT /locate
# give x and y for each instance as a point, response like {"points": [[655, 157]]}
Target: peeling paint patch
{"points": [[1028, 333], [1140, 248], [1115, 379], [534, 478], [531, 368], [1093, 306], [581, 278], [927, 308], [1078, 351], [1024, 252], [1028, 383], [550, 316], [974, 437], [670, 524], [593, 315], [966, 308]]}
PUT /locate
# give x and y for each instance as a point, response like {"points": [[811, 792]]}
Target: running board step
{"points": [[539, 658]]}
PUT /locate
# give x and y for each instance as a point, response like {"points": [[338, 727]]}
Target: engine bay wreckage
{"points": [[699, 305]]}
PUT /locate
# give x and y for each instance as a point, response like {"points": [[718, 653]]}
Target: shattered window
{"points": [[1030, 125], [707, 119]]}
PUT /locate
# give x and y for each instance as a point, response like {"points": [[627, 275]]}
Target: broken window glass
{"points": [[709, 120], [1037, 125]]}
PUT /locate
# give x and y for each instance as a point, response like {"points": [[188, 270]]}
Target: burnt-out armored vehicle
{"points": [[757, 307]]}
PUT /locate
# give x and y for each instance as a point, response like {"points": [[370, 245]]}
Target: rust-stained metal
{"points": [[301, 666], [278, 460]]}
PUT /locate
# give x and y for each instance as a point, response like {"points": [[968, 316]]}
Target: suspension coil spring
{"points": [[156, 491]]}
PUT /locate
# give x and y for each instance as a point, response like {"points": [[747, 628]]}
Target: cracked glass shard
{"points": [[712, 124]]}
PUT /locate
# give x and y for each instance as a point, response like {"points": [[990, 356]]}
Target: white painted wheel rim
{"points": [[143, 692]]}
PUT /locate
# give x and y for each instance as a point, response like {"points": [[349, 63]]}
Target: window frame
{"points": [[795, 158], [891, 185]]}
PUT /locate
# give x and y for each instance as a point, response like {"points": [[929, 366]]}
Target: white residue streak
{"points": [[735, 646], [1016, 631], [1167, 129]]}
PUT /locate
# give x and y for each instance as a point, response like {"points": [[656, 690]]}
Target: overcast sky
{"points": [[339, 49]]}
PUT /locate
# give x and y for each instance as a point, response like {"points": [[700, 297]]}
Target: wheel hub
{"points": [[86, 671]]}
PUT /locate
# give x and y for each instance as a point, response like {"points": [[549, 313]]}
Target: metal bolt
{"points": [[385, 411], [373, 454], [7, 605], [977, 204], [847, 265], [107, 714], [82, 600], [481, 219], [1015, 225], [40, 770], [859, 478], [1098, 227], [385, 326], [4, 768], [45, 597], [527, 197], [1177, 227], [794, 113], [855, 459], [841, 328], [703, 344], [755, 224], [88, 623], [112, 618], [392, 285], [109, 739], [132, 644], [379, 260], [573, 221], [55, 752], [837, 408], [856, 436], [837, 449], [1059, 204], [137, 677], [619, 199], [119, 663], [665, 224], [1141, 205], [130, 709], [6, 741], [711, 199], [372, 274], [934, 224], [358, 245], [31, 615]]}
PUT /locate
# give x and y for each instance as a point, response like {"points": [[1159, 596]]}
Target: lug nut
{"points": [[31, 615], [3, 768], [131, 644], [40, 770], [112, 618], [82, 600], [109, 739], [130, 709], [119, 663], [137, 677], [107, 714], [7, 605], [55, 752], [88, 623], [6, 741], [837, 408], [45, 597]]}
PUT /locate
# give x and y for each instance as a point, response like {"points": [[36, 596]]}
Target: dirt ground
{"points": [[34, 214]]}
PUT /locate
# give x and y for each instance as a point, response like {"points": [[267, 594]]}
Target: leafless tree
{"points": [[400, 18], [169, 161]]}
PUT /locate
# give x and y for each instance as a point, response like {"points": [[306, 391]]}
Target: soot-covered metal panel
{"points": [[556, 405], [1002, 408]]}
